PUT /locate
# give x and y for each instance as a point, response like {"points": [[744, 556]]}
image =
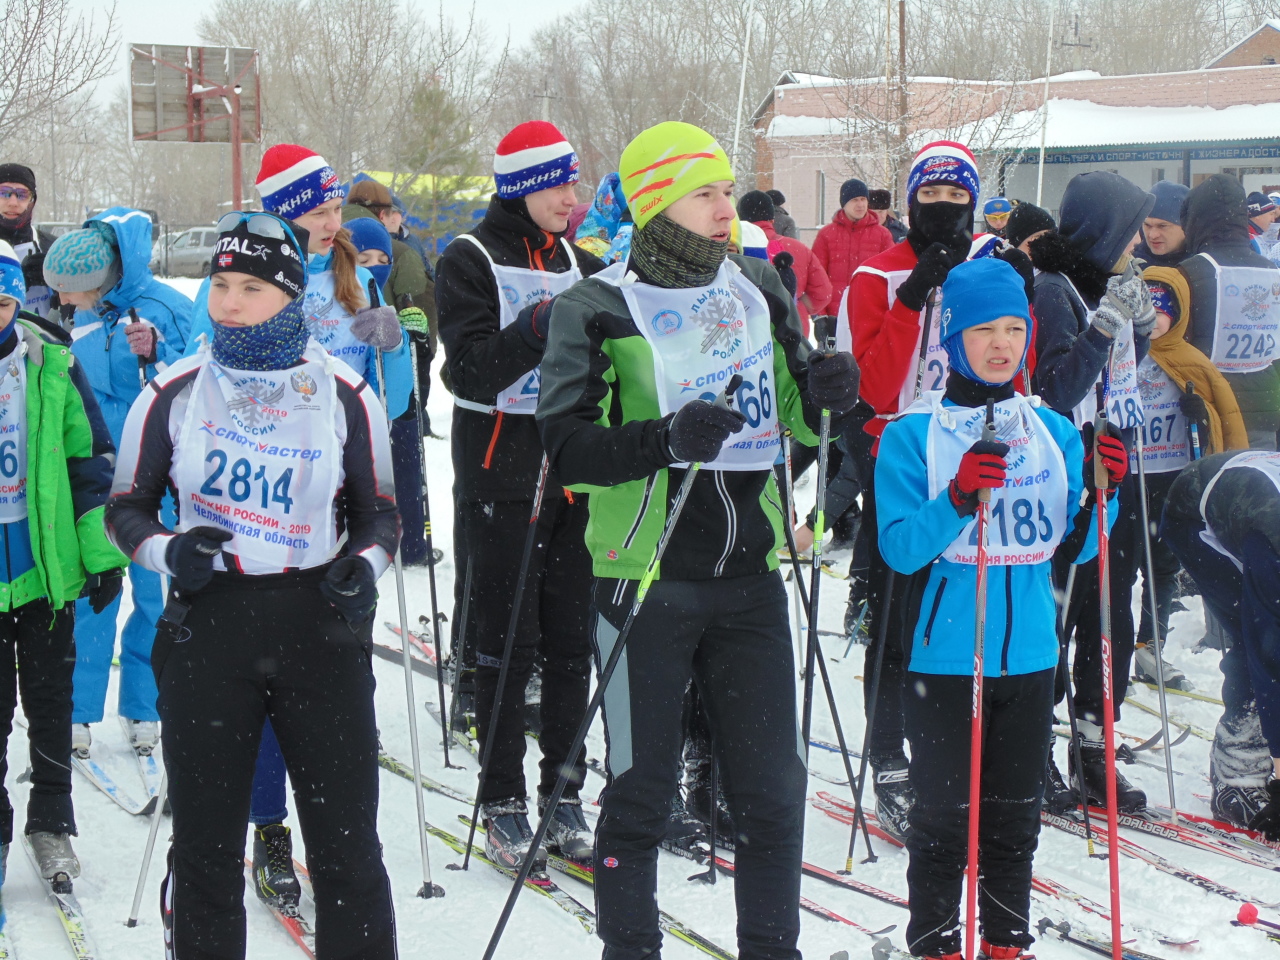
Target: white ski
{"points": [[99, 777], [68, 908], [148, 766]]}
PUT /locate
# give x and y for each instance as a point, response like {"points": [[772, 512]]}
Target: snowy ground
{"points": [[110, 844]]}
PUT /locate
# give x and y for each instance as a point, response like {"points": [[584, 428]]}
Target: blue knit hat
{"points": [[83, 260], [978, 292], [369, 234], [1169, 197], [11, 283], [944, 161]]}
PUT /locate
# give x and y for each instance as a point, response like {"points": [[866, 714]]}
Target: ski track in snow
{"points": [[110, 843]]}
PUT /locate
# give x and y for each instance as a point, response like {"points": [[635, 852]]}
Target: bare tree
{"points": [[50, 56]]}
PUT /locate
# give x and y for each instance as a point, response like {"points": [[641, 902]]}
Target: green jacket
{"points": [[604, 433], [70, 460]]}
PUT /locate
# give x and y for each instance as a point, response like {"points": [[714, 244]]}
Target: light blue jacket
{"points": [[398, 364], [1021, 629], [98, 339]]}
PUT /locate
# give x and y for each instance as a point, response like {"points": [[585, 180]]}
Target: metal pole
{"points": [[1044, 119], [237, 172], [742, 86], [162, 795]]}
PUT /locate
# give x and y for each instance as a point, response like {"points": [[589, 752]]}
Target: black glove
{"points": [[696, 432], [190, 556], [1268, 818], [833, 381], [1022, 263], [350, 586], [532, 323], [929, 272], [784, 263], [103, 588], [1195, 409]]}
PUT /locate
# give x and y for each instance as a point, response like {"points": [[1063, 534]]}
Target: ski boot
{"points": [[1239, 768], [54, 856], [1091, 783], [989, 951], [568, 833], [1144, 669], [508, 835], [463, 721], [894, 796], [1058, 797], [686, 834], [274, 880], [81, 740], [698, 803], [144, 735]]}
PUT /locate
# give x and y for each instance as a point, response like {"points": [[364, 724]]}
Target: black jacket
{"points": [[495, 457], [1217, 224]]}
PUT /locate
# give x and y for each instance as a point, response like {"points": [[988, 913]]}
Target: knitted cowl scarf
{"points": [[668, 255], [274, 344]]}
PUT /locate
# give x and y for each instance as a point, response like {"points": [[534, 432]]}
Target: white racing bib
{"points": [[1266, 462], [700, 337], [1028, 516], [329, 323], [1124, 399], [13, 435], [1244, 338], [259, 454], [517, 288], [1165, 448]]}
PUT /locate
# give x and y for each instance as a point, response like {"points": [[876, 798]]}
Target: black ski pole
{"points": [[824, 331], [873, 697], [507, 649], [1077, 752], [459, 656], [142, 361], [710, 875], [606, 674]]}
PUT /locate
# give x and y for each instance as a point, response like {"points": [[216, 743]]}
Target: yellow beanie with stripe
{"points": [[666, 162]]}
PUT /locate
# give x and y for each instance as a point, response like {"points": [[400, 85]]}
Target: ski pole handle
{"points": [[142, 361], [989, 435], [1101, 479], [1194, 427], [725, 400], [824, 331]]}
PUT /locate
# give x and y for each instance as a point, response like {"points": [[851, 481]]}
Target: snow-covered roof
{"points": [[1265, 25], [1081, 123], [784, 126]]}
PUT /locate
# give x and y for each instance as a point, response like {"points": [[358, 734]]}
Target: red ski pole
{"points": [[1102, 481], [975, 734]]}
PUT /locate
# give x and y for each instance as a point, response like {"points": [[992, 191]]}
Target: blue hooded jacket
{"points": [[397, 364], [1021, 629], [98, 339]]}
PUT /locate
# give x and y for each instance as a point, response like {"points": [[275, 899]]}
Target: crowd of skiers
{"points": [[1023, 417]]}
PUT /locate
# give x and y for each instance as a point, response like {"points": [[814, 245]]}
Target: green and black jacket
{"points": [[602, 429]]}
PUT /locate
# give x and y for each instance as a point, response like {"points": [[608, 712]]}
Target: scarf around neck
{"points": [[274, 344], [668, 255]]}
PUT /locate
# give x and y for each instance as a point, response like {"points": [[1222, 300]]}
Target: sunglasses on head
{"points": [[259, 224], [15, 193]]}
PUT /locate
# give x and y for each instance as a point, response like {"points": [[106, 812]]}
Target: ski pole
{"points": [[923, 360], [975, 716], [162, 796], [1156, 640], [797, 585], [1102, 481], [431, 553], [428, 889], [504, 669], [1077, 752], [459, 656], [873, 697], [713, 816], [1193, 426], [825, 333], [606, 674], [142, 361], [859, 817]]}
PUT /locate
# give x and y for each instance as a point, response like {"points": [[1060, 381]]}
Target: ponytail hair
{"points": [[346, 282]]}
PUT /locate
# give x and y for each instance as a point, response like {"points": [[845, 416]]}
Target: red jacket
{"points": [[811, 279], [842, 246], [886, 339]]}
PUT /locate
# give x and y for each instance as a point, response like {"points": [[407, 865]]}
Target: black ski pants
{"points": [[41, 669], [732, 638], [554, 626], [406, 468], [251, 648], [1017, 730]]}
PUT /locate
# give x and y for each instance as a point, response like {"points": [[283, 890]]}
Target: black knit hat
{"points": [[851, 190], [1025, 220], [777, 197], [755, 207], [17, 173], [277, 261], [879, 200]]}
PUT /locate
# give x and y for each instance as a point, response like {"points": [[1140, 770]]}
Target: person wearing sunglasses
{"points": [[281, 462], [17, 207], [996, 214], [346, 315], [127, 327]]}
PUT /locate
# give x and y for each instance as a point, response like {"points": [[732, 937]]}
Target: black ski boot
{"points": [[698, 803], [686, 834], [273, 878], [894, 796], [568, 833], [1239, 768], [1058, 797], [508, 834], [463, 721], [1093, 784]]}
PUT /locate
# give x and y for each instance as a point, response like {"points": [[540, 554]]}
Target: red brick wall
{"points": [[1254, 51]]}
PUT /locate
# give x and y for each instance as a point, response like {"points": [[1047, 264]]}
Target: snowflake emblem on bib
{"points": [[1148, 387], [1255, 305], [717, 319], [255, 402]]}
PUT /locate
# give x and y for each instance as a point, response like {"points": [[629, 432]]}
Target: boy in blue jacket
{"points": [[103, 270], [931, 466]]}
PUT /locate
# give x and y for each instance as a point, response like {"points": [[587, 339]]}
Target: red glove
{"points": [[1115, 458], [983, 465]]}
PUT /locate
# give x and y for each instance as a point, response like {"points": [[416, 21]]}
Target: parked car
{"points": [[189, 255]]}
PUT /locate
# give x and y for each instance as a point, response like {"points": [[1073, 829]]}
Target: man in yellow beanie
{"points": [[636, 357]]}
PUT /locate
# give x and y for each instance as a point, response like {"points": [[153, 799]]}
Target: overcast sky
{"points": [[167, 21]]}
